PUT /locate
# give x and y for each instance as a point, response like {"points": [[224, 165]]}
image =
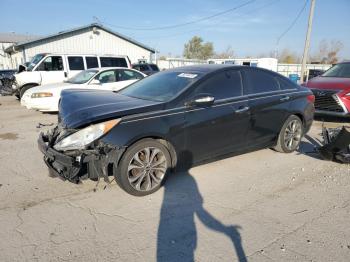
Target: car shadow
{"points": [[177, 233], [309, 146]]}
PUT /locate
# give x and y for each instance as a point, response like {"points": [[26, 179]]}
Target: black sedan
{"points": [[178, 116]]}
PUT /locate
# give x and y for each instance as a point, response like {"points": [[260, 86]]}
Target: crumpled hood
{"points": [[79, 108], [329, 83]]}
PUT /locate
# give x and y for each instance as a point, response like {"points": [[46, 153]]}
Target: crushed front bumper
{"points": [[75, 165]]}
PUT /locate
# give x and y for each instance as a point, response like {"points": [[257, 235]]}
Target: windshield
{"points": [[339, 70], [35, 60], [82, 77], [161, 86]]}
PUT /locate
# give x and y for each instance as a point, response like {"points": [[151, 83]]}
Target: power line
{"points": [[183, 24], [293, 23], [212, 25]]}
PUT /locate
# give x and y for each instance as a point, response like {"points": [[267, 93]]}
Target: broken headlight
{"points": [[85, 136]]}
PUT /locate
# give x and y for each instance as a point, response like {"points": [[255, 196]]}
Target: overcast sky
{"points": [[251, 30]]}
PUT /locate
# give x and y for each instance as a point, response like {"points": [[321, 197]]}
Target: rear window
{"points": [[91, 62], [259, 81], [113, 62], [76, 63]]}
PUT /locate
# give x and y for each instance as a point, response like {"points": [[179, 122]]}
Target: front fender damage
{"points": [[76, 165]]}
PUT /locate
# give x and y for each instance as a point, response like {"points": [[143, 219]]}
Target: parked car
{"points": [[46, 98], [332, 90], [313, 73], [148, 69], [182, 114], [6, 81], [55, 68]]}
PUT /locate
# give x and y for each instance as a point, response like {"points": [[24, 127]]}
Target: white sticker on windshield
{"points": [[187, 75]]}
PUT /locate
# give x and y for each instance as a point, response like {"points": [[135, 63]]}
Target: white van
{"points": [[51, 68]]}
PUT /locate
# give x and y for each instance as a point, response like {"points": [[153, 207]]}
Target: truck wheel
{"points": [[290, 135], [143, 167], [24, 89]]}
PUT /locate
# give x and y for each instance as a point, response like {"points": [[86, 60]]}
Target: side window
{"points": [[107, 77], [91, 62], [136, 67], [113, 62], [222, 85], [144, 68], [51, 63], [258, 81], [285, 83], [124, 75], [76, 63]]}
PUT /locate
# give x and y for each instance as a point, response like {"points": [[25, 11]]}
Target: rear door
{"points": [[221, 127], [268, 105]]}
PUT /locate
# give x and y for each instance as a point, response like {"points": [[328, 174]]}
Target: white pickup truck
{"points": [[50, 68]]}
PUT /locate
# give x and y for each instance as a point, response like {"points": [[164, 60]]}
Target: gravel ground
{"points": [[260, 206]]}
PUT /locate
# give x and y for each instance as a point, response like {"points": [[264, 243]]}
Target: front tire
{"points": [[143, 167], [24, 89], [290, 135]]}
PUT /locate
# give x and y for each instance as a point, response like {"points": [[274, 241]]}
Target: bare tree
{"points": [[328, 52], [288, 57], [227, 53]]}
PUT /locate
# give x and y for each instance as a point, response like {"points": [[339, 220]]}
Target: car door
{"points": [[106, 80], [126, 77], [220, 127], [51, 70], [268, 105]]}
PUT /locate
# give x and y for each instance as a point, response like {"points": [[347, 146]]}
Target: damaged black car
{"points": [[189, 114]]}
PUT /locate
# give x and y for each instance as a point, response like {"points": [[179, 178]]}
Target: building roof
{"points": [[49, 37], [15, 38]]}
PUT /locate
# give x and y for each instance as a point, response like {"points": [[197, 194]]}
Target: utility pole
{"points": [[307, 41]]}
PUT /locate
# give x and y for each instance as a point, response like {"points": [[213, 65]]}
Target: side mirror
{"points": [[201, 101], [95, 82]]}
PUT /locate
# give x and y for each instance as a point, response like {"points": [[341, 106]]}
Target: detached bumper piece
{"points": [[79, 164], [336, 144]]}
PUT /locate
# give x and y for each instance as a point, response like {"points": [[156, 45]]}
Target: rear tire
{"points": [[24, 89], [143, 168], [290, 135]]}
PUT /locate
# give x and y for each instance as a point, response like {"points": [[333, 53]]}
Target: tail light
{"points": [[311, 98]]}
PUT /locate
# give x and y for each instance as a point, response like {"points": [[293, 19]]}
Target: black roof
{"points": [[204, 68]]}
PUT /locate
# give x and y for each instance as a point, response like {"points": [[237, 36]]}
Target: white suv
{"points": [[55, 68]]}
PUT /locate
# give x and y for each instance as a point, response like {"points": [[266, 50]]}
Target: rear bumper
{"points": [[329, 113], [92, 163]]}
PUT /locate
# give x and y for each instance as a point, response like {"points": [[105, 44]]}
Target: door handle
{"points": [[285, 98], [65, 74], [241, 110]]}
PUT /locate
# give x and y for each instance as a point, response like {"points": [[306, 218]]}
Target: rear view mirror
{"points": [[201, 101], [95, 82], [21, 68]]}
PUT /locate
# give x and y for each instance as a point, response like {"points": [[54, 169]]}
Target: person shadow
{"points": [[177, 234]]}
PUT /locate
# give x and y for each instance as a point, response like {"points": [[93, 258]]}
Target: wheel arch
{"points": [[163, 140]]}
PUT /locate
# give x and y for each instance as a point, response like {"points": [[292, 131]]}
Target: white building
{"points": [[90, 39], [267, 63], [6, 40]]}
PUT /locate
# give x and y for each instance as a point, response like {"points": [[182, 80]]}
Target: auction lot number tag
{"points": [[187, 75]]}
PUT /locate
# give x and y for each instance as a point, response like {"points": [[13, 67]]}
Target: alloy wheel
{"points": [[147, 169], [292, 134]]}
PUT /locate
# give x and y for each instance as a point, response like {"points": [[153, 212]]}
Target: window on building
{"points": [[76, 63]]}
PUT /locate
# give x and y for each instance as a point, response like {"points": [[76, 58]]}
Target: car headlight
{"points": [[41, 94], [85, 136]]}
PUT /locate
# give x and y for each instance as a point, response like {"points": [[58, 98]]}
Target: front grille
{"points": [[326, 100]]}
